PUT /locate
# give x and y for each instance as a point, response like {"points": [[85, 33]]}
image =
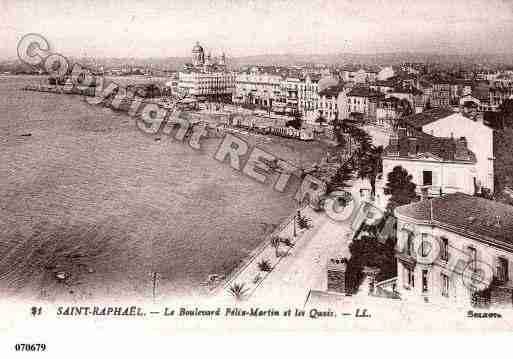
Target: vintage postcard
{"points": [[341, 166]]}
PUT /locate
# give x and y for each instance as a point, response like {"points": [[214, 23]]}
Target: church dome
{"points": [[197, 48]]}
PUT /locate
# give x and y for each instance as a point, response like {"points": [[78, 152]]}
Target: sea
{"points": [[92, 209]]}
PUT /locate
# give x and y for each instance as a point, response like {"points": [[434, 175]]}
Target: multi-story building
{"points": [[387, 112], [455, 250], [363, 100], [257, 88], [290, 90], [440, 94], [206, 78], [414, 97], [328, 103], [437, 165], [498, 94], [360, 76], [385, 73], [479, 137], [308, 94]]}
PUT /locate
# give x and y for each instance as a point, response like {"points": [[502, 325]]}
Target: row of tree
{"points": [[366, 163]]}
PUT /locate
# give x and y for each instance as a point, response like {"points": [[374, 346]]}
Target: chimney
{"points": [[337, 275], [412, 146], [461, 152]]}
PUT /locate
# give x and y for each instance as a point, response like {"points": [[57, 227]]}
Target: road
{"points": [[304, 267]]}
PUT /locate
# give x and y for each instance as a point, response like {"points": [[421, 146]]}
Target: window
{"points": [[444, 249], [427, 178], [424, 280], [444, 279], [425, 245], [502, 269]]}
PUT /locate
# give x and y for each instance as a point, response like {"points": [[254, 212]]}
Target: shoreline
{"points": [[245, 262]]}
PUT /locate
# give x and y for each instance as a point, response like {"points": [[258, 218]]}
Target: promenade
{"points": [[301, 269]]}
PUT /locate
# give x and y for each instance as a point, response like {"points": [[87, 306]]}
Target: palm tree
{"points": [[238, 291], [275, 243], [265, 266], [370, 164], [340, 179]]}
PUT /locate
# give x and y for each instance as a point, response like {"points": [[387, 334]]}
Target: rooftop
{"points": [[364, 92], [332, 90], [465, 214], [424, 118], [422, 144], [406, 90]]}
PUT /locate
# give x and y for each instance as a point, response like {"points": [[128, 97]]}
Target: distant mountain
{"points": [[176, 63], [375, 59]]}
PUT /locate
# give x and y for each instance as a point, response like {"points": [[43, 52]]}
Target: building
{"points": [[482, 92], [479, 137], [437, 165], [206, 78], [388, 111], [383, 86], [364, 101], [440, 94], [360, 76], [308, 94], [465, 235], [328, 103], [385, 73], [414, 97], [257, 88], [290, 90], [498, 94]]}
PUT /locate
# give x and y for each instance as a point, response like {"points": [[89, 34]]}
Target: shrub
{"points": [[303, 222], [275, 243], [265, 266], [238, 291]]}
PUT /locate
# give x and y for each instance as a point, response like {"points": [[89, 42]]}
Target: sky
{"points": [[158, 28]]}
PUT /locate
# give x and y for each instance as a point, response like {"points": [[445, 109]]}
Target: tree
{"points": [[238, 291], [303, 222], [265, 266], [275, 242], [342, 127], [341, 178], [400, 187], [506, 113], [368, 251], [370, 164], [405, 108], [363, 139]]}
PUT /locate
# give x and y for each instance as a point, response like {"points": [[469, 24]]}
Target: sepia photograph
{"points": [[273, 165]]}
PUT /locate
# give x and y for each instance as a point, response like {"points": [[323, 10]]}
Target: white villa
{"points": [[474, 235], [479, 138]]}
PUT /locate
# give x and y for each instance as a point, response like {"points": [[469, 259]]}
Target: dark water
{"points": [[88, 194]]}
